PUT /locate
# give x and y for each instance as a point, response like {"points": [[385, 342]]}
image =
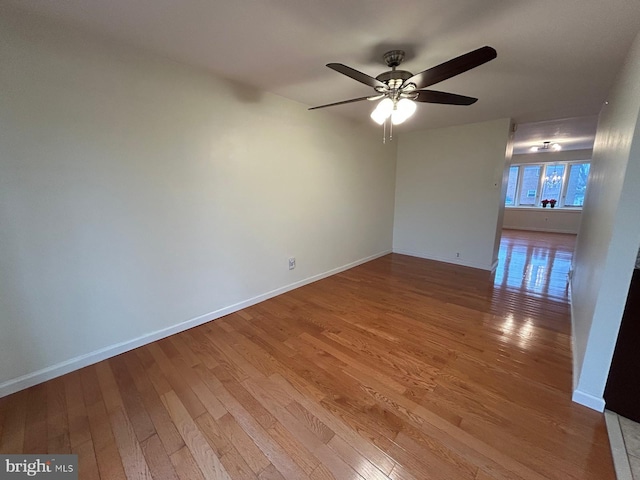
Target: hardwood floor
{"points": [[401, 368]]}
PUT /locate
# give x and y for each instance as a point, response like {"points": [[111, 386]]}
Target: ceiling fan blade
{"points": [[356, 75], [433, 96], [342, 103], [452, 68]]}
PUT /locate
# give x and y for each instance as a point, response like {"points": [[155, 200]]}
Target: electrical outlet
{"points": [[292, 263], [457, 254]]}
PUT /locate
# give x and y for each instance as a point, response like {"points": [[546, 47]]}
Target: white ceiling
{"points": [[556, 59], [571, 133]]}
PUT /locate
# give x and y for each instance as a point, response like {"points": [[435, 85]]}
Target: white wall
{"points": [[558, 220], [609, 235], [137, 194], [448, 192]]}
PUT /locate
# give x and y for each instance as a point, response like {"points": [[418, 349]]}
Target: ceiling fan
{"points": [[399, 89]]}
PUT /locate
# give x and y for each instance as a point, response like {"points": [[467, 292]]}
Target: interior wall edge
{"points": [[580, 396], [39, 376], [574, 359]]}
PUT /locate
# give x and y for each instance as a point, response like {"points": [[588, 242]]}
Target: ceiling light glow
{"points": [[403, 110], [399, 111], [546, 146], [382, 111]]}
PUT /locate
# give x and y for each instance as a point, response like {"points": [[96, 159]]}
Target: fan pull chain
{"points": [[384, 131]]}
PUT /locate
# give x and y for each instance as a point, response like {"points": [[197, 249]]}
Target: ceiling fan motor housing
{"points": [[394, 78], [401, 75], [394, 58]]}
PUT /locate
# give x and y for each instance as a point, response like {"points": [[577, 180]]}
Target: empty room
{"points": [[319, 240]]}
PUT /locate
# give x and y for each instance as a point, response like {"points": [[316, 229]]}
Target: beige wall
{"points": [[449, 192], [139, 197]]}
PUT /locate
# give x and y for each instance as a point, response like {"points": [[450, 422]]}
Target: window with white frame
{"points": [[558, 184]]}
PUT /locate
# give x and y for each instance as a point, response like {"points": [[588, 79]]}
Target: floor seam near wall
{"points": [[624, 438]]}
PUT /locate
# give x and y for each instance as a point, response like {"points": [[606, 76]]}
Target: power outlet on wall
{"points": [[457, 254], [292, 263]]}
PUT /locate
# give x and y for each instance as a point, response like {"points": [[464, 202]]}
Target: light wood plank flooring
{"points": [[401, 368]]}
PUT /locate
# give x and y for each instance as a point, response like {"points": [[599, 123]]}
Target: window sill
{"points": [[540, 209]]}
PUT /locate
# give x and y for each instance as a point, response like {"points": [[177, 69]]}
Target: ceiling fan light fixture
{"points": [[378, 117], [382, 111], [403, 110], [402, 88], [546, 146], [397, 118]]}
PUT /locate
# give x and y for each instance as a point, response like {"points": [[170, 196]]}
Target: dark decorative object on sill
{"points": [[552, 202], [544, 203]]}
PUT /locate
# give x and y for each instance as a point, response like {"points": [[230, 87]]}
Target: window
{"points": [[512, 185], [564, 182], [552, 182], [529, 184], [577, 185]]}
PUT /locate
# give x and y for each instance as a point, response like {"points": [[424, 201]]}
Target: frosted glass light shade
{"points": [[382, 111], [404, 109], [378, 116]]}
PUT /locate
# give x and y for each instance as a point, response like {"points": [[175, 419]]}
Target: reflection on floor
{"points": [[395, 369], [532, 276], [530, 287], [535, 263]]}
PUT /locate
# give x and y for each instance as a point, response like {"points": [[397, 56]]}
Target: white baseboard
{"points": [[546, 230], [62, 368], [588, 400], [454, 261]]}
